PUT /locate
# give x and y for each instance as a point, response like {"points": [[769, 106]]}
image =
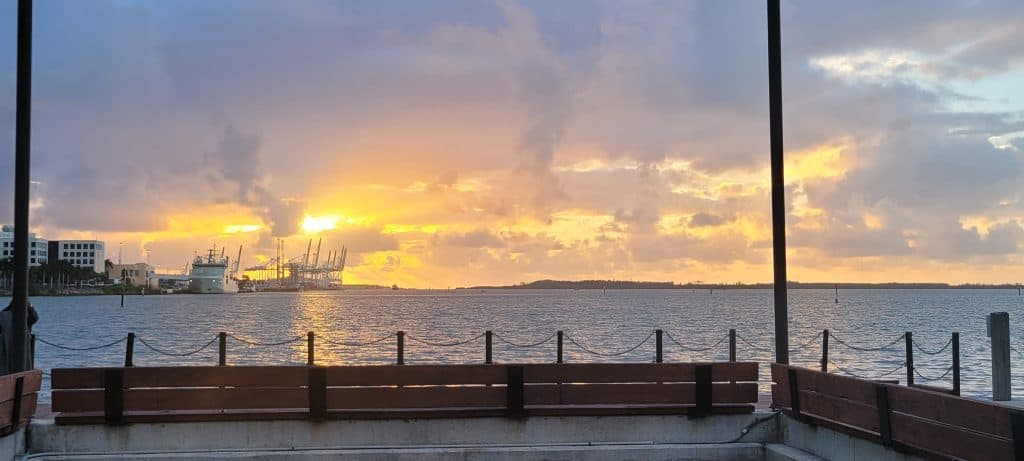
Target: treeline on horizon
{"points": [[629, 284]]}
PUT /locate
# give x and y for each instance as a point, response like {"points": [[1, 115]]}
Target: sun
{"points": [[315, 224]]}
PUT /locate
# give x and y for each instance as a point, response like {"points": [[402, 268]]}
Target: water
{"points": [[606, 322]]}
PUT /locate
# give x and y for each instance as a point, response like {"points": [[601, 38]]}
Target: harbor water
{"points": [[358, 327]]}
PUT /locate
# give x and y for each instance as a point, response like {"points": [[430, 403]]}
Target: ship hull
{"points": [[212, 285]]}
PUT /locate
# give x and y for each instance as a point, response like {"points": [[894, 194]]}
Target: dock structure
{"points": [[308, 271]]}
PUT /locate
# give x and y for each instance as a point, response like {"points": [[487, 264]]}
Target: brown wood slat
{"points": [[75, 401], [839, 410], [32, 381], [629, 410], [635, 372], [28, 408], [636, 393], [187, 416], [256, 376], [949, 409], [350, 398], [948, 441], [409, 375], [845, 387]]}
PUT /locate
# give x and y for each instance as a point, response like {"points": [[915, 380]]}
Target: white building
{"points": [[80, 253], [38, 248]]}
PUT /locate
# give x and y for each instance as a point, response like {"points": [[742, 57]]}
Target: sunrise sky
{"points": [[451, 143]]}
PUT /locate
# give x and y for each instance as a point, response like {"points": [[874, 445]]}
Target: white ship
{"points": [[210, 274]]}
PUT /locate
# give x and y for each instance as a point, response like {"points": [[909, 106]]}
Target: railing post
{"points": [[824, 351], [956, 363], [884, 421], [222, 349], [702, 392], [657, 346], [401, 347], [909, 338], [487, 346], [999, 332], [129, 350], [559, 359], [310, 349], [732, 344]]}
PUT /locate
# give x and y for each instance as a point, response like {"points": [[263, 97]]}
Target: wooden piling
{"points": [[999, 333]]}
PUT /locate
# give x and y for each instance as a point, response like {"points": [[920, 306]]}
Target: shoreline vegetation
{"points": [[638, 285]]}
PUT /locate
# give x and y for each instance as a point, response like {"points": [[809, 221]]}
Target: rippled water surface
{"points": [[602, 322]]}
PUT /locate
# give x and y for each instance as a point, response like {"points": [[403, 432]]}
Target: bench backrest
{"points": [[156, 393], [18, 396], [921, 420]]}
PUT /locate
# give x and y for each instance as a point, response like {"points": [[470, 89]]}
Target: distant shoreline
{"points": [[627, 285]]}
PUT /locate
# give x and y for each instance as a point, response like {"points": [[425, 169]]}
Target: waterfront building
{"points": [[80, 253], [131, 274], [38, 248]]}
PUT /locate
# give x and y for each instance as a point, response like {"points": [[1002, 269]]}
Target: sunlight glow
{"points": [[315, 224]]}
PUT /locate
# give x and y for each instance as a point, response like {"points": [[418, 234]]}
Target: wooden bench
{"points": [[909, 419], [152, 394], [18, 396]]}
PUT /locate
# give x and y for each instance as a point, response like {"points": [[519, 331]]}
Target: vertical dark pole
{"points": [[909, 337], [129, 350], [658, 357], [824, 351], [732, 344], [956, 363], [559, 359], [310, 349], [222, 349], [487, 347], [401, 348], [778, 182], [22, 175]]}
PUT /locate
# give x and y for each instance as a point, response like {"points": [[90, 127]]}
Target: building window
{"points": [[92, 262], [32, 253], [92, 246], [5, 244], [33, 260]]}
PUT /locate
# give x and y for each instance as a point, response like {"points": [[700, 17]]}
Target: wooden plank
{"points": [[347, 398], [75, 401], [32, 381], [187, 416], [257, 376], [409, 375], [953, 410], [630, 410], [636, 372], [28, 408], [419, 413], [845, 387], [948, 441], [636, 393], [840, 410]]}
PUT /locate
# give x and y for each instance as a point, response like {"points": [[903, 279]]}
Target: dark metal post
{"points": [[657, 346], [487, 347], [32, 352], [559, 359], [310, 349], [222, 349], [824, 351], [401, 348], [956, 363], [22, 177], [732, 344], [909, 337], [778, 182], [129, 350]]}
